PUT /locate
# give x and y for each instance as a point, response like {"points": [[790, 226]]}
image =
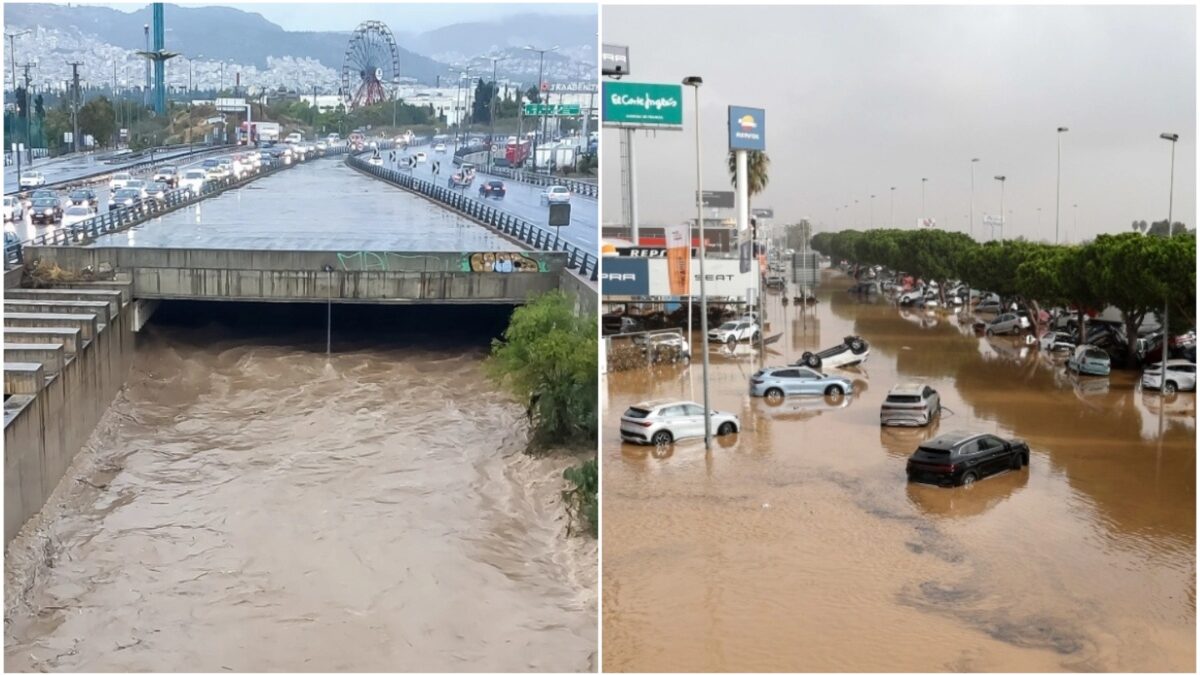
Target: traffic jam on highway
{"points": [[38, 208]]}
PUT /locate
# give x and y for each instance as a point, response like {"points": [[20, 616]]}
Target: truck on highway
{"points": [[251, 133], [516, 153]]}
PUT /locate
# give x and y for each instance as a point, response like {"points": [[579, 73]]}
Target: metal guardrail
{"points": [[518, 228], [115, 221], [579, 187]]}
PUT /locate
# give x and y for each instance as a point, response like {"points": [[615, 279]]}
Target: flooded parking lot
{"points": [[799, 545], [249, 504]]}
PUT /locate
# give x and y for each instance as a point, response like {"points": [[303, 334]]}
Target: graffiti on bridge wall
{"points": [[502, 261]]}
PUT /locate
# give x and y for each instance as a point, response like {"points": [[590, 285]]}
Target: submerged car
{"points": [[663, 422], [1089, 360], [1181, 376], [734, 331], [1057, 341], [775, 383], [910, 404], [668, 347], [963, 458], [1008, 323], [493, 188], [853, 351]]}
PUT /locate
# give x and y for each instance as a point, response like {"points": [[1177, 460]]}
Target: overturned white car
{"points": [[853, 351]]}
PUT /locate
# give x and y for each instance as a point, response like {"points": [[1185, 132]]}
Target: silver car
{"points": [[1004, 324], [1181, 376], [910, 404], [775, 383], [663, 422]]}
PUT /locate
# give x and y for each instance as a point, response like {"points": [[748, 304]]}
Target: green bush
{"points": [[581, 502], [548, 358]]}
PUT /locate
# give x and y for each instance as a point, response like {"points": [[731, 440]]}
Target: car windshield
{"points": [[41, 203], [79, 194], [637, 413], [167, 169], [728, 325], [194, 174], [127, 194]]}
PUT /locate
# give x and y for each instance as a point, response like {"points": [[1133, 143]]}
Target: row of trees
{"points": [[1135, 273]]}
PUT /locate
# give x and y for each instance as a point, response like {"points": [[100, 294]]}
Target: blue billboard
{"points": [[747, 128], [624, 276]]}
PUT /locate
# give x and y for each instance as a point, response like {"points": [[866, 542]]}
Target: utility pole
{"points": [[28, 115], [75, 102], [492, 111], [12, 51]]}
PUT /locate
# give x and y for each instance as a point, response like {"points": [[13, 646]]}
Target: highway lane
{"points": [[321, 205], [26, 230], [73, 166], [523, 200]]}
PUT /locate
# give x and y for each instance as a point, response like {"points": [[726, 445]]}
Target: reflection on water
{"points": [[249, 505], [799, 542]]}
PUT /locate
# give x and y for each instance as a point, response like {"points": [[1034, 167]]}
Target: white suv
{"points": [[734, 331], [1181, 376], [32, 179], [13, 209], [663, 422], [118, 181]]}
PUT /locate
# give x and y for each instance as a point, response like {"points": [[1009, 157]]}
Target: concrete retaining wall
{"points": [[44, 430], [314, 276], [587, 298]]}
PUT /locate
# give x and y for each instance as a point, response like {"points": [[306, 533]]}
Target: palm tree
{"points": [[757, 164]]}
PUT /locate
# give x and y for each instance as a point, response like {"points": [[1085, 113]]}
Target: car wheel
{"points": [[726, 429], [661, 437], [988, 332], [857, 346], [968, 479], [1016, 462], [1170, 387], [774, 395], [814, 361], [834, 391], [732, 343]]}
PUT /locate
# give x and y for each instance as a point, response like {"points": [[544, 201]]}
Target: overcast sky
{"points": [[860, 99], [402, 17]]}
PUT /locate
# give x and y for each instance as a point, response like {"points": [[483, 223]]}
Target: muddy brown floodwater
{"points": [[798, 544], [249, 505]]}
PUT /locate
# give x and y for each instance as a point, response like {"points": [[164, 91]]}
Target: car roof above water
{"points": [[908, 389], [949, 441]]}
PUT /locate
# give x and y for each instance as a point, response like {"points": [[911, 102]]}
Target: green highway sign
{"points": [[634, 104], [550, 110]]}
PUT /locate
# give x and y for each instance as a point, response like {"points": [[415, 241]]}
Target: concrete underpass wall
{"points": [[313, 276], [44, 430], [587, 299]]}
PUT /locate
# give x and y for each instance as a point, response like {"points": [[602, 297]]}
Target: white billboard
{"points": [[721, 278], [231, 104]]}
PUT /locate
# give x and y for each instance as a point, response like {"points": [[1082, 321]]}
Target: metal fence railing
{"points": [[104, 173], [538, 237], [119, 219]]}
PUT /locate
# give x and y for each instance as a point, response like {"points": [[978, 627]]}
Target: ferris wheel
{"points": [[371, 64]]}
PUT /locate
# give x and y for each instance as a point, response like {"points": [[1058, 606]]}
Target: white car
{"points": [[13, 210], [375, 160], [420, 157], [734, 331], [322, 146], [440, 148], [1056, 341], [32, 179], [166, 174], [852, 351], [667, 346], [1181, 376], [664, 422], [76, 214], [193, 180], [118, 181], [556, 194]]}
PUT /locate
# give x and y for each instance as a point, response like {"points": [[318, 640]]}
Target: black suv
{"points": [[962, 459]]}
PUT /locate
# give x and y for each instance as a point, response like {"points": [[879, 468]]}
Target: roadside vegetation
{"points": [[548, 357], [1134, 272]]}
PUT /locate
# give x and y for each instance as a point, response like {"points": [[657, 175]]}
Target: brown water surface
{"points": [[799, 545], [248, 504]]}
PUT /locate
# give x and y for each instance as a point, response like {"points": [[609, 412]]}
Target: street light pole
{"points": [[1166, 334], [971, 222], [1058, 188], [695, 81], [12, 50], [1002, 180], [923, 181], [542, 121], [872, 216], [492, 112], [892, 208]]}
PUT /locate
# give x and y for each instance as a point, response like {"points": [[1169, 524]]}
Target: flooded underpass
{"points": [[798, 544], [250, 504]]}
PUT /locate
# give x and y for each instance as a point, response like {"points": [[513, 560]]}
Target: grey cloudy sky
{"points": [[860, 99], [401, 16]]}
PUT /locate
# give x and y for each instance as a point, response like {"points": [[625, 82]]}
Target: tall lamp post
{"points": [[971, 217], [541, 123], [695, 81], [12, 51], [892, 208], [923, 182], [492, 111], [1166, 334], [1002, 179], [1058, 188], [872, 216]]}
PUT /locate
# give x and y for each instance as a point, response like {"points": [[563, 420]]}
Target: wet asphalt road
{"points": [[522, 200], [320, 205], [66, 168]]}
